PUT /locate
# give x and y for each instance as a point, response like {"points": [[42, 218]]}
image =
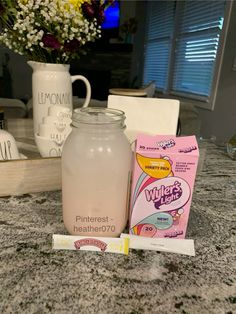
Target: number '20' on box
{"points": [[162, 185]]}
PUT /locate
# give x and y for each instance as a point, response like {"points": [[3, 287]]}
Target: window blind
{"points": [[182, 40], [197, 44], [159, 29]]}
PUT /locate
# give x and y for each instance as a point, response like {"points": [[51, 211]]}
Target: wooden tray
{"points": [[34, 174]]}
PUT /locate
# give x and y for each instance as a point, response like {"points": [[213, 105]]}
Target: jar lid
{"points": [[98, 116]]}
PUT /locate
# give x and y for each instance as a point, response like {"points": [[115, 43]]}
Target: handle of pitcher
{"points": [[88, 87]]}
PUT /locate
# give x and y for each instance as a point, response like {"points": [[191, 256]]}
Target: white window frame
{"points": [[197, 100]]}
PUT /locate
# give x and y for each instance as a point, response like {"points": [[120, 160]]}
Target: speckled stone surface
{"points": [[36, 279]]}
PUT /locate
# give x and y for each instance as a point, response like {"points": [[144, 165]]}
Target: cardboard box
{"points": [[162, 185]]}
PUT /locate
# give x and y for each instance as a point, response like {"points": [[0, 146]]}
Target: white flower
{"points": [[36, 18]]}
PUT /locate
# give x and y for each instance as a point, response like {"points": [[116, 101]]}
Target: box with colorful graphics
{"points": [[162, 186]]}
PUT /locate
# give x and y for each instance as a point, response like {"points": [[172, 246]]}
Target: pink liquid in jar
{"points": [[96, 163]]}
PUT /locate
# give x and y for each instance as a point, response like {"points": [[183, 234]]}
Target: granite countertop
{"points": [[36, 279]]}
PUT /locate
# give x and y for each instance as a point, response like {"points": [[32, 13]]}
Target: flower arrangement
{"points": [[128, 28], [53, 31]]}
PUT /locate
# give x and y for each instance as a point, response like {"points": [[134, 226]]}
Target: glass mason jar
{"points": [[96, 164]]}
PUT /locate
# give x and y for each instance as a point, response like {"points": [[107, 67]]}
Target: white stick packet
{"points": [[87, 243], [179, 246]]}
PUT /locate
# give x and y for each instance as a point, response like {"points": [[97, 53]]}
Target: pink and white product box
{"points": [[162, 186]]}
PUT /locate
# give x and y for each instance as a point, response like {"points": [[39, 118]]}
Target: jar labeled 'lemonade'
{"points": [[96, 163]]}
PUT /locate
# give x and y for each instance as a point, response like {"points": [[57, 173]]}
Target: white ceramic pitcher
{"points": [[52, 87]]}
